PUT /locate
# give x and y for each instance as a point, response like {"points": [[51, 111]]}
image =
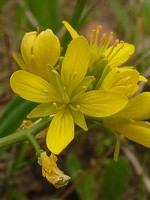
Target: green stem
{"points": [[22, 135], [34, 143]]}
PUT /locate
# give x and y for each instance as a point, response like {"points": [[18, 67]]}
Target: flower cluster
{"points": [[88, 80]]}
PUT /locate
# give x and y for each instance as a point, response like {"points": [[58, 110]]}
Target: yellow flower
{"points": [[66, 95], [113, 56], [130, 120], [105, 60], [50, 170], [124, 80], [37, 51]]}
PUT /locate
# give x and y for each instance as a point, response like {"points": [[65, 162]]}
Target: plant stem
{"points": [[22, 135]]}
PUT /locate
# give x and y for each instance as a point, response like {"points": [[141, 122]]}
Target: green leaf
{"points": [[46, 12], [74, 22], [88, 187], [14, 114], [115, 180]]}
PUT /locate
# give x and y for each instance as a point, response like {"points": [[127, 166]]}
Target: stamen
{"points": [[114, 45], [109, 40], [97, 34], [121, 80], [55, 105], [92, 37], [52, 115], [121, 47], [102, 40], [78, 107], [75, 73], [45, 91], [84, 87], [54, 71]]}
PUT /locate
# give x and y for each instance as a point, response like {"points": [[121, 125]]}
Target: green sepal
{"points": [[98, 67], [52, 78], [85, 82], [42, 110], [79, 119]]}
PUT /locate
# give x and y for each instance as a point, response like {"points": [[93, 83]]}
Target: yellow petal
{"points": [[71, 30], [42, 110], [138, 108], [122, 56], [46, 50], [136, 131], [75, 63], [142, 79], [20, 62], [61, 131], [100, 103], [27, 45], [32, 87]]}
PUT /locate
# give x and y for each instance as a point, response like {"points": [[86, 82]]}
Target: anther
{"points": [[54, 71], [78, 107], [84, 87], [75, 73], [55, 105], [45, 91]]}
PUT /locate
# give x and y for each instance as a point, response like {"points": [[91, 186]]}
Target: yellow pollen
{"points": [[52, 115], [45, 91], [78, 107], [54, 71], [84, 87], [55, 105], [75, 73]]}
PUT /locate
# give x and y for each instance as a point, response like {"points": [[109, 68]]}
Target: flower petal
{"points": [[100, 103], [33, 88], [42, 110], [122, 56], [75, 63], [46, 50], [20, 62], [136, 131], [71, 30], [26, 46], [61, 131], [138, 108]]}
